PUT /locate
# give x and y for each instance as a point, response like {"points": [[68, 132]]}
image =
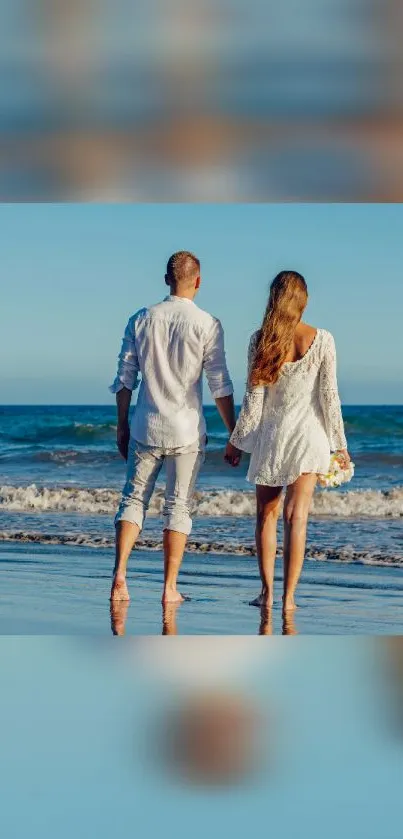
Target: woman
{"points": [[290, 422]]}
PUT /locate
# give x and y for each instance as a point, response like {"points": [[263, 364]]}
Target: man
{"points": [[170, 344]]}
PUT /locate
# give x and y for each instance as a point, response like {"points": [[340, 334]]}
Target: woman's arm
{"points": [[251, 412], [329, 398]]}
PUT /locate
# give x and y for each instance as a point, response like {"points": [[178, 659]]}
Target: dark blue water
{"points": [[76, 444], [60, 473]]}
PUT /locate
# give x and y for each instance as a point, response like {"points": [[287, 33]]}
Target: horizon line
{"points": [[205, 404]]}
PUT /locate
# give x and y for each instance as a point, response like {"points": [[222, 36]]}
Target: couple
{"points": [[290, 420]]}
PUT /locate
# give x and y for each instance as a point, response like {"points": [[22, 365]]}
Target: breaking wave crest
{"points": [[71, 432], [212, 503]]}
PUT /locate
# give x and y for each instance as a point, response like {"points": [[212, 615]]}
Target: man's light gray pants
{"points": [[144, 464]]}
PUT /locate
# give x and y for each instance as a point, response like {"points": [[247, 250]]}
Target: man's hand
{"points": [[122, 439], [232, 455]]}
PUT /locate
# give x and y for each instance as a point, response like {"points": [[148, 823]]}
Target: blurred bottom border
{"points": [[102, 736]]}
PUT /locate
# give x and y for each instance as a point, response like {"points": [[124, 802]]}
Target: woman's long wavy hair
{"points": [[287, 301]]}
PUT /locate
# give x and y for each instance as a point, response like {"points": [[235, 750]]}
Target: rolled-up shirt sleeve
{"points": [[215, 364], [128, 364]]}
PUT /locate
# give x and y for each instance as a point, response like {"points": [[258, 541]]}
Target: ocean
{"points": [[61, 475]]}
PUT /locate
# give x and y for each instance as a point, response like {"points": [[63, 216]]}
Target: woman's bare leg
{"points": [[296, 509], [267, 512]]}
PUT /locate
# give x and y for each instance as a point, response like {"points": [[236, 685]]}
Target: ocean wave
{"points": [[90, 454], [68, 457], [345, 554], [93, 426], [65, 499], [212, 503], [72, 432]]}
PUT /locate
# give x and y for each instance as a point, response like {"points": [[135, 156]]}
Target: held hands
{"points": [[232, 455], [122, 439]]}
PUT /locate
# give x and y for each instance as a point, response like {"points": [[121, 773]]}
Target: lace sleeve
{"points": [[329, 398], [244, 433]]}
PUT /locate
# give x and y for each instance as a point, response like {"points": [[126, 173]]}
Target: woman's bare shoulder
{"points": [[305, 335], [307, 331]]}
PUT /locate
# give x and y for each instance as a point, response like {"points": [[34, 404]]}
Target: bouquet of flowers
{"points": [[337, 474]]}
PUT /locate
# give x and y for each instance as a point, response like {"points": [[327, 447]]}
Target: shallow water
{"points": [[64, 591], [60, 480]]}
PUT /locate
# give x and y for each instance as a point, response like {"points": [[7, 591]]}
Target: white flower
{"points": [[337, 475]]}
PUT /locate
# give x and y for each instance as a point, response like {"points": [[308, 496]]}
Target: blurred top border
{"points": [[201, 102]]}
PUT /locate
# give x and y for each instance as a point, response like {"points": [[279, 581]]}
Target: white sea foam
{"points": [[67, 499], [90, 426], [209, 503]]}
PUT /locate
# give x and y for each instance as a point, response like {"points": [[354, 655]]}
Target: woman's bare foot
{"points": [[263, 599], [171, 595], [119, 590]]}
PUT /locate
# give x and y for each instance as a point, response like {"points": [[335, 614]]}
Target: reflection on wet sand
{"points": [[169, 626], [119, 611], [266, 622], [289, 627], [118, 614]]}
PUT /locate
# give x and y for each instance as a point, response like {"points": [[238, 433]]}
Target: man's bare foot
{"points": [[289, 604], [171, 595], [119, 590], [264, 599]]}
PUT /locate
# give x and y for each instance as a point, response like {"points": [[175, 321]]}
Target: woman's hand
{"points": [[344, 458], [123, 438], [232, 455]]}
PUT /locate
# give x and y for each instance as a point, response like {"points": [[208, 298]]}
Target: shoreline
{"points": [[48, 589], [345, 556]]}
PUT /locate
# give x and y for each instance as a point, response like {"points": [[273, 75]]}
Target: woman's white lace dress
{"points": [[291, 427]]}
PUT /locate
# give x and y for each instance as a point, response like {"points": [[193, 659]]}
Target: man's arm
{"points": [[226, 409], [125, 382], [219, 381], [123, 399]]}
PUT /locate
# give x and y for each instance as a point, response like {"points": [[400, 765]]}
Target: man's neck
{"points": [[183, 295]]}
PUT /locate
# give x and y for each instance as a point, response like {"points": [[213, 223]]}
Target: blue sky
{"points": [[73, 273]]}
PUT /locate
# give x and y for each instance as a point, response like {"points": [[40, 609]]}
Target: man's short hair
{"points": [[182, 268]]}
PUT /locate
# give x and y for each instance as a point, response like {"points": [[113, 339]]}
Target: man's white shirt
{"points": [[170, 345]]}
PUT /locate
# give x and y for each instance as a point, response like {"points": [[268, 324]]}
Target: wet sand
{"points": [[65, 591]]}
